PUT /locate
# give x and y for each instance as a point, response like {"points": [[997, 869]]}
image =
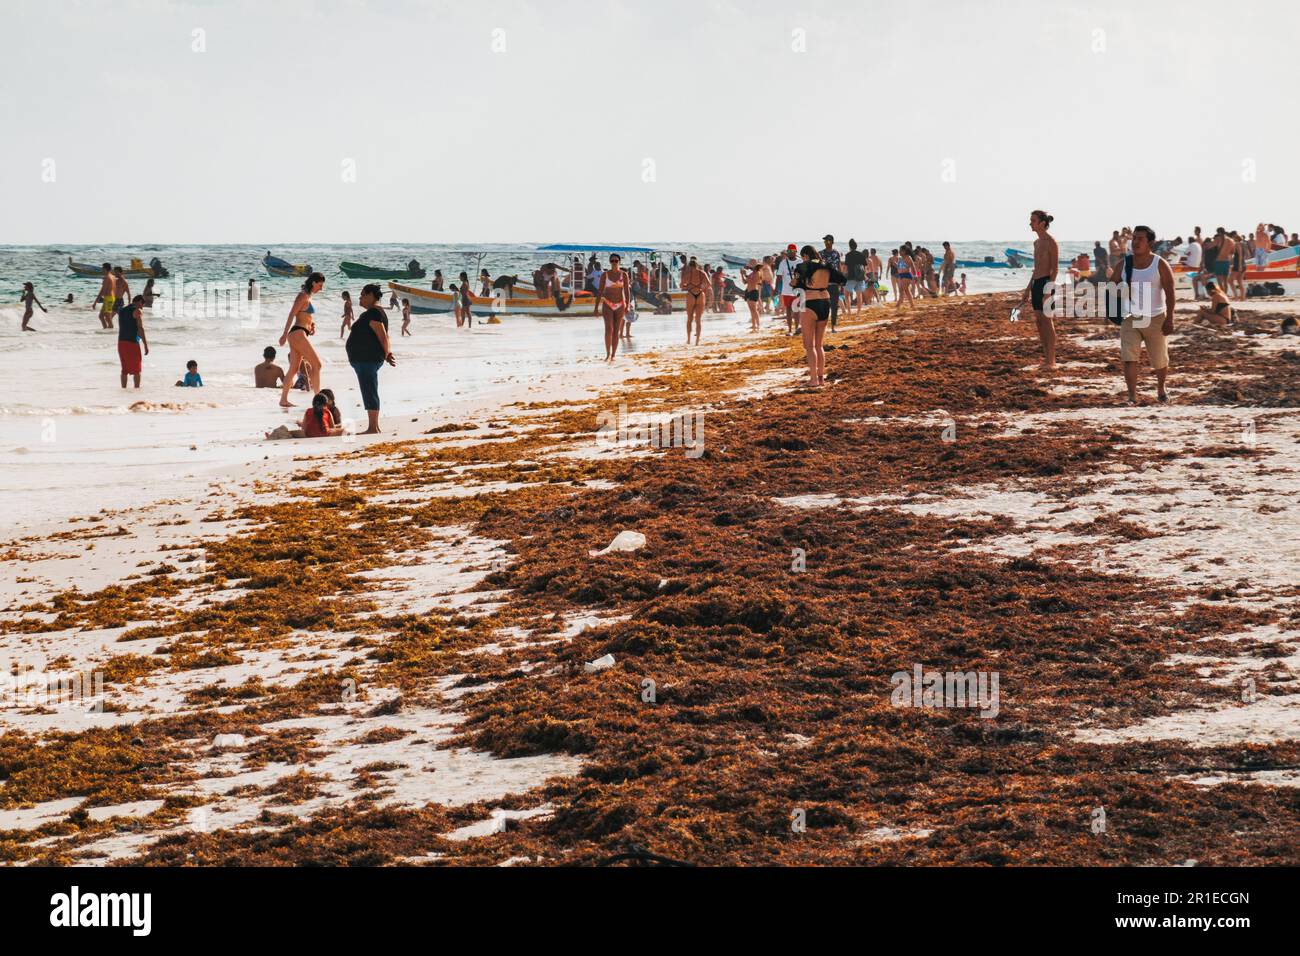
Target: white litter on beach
{"points": [[626, 541]]}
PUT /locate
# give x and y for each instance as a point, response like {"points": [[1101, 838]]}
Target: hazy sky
{"points": [[640, 120]]}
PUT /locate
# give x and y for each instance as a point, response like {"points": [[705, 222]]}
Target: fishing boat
{"points": [[278, 267], [137, 269], [735, 261], [524, 300], [355, 270], [982, 264]]}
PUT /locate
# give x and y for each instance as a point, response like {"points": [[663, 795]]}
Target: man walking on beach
{"points": [[1150, 296], [830, 255], [785, 267], [855, 267]]}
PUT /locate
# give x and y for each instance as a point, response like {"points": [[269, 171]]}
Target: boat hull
{"points": [[94, 272], [278, 267], [354, 270], [430, 302]]}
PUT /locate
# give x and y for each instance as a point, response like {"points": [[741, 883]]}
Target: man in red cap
{"points": [[784, 269]]}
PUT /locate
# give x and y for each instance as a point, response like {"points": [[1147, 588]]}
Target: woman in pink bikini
{"points": [[613, 298]]}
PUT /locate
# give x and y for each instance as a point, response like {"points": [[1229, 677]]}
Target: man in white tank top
{"points": [[1151, 297]]}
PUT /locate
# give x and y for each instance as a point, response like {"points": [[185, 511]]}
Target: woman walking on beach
{"points": [[298, 328], [1046, 266], [698, 286], [813, 280], [347, 314], [903, 267], [368, 348], [29, 297], [613, 296]]}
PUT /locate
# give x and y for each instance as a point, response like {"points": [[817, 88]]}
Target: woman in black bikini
{"points": [[297, 328], [698, 286], [812, 281], [1220, 311]]}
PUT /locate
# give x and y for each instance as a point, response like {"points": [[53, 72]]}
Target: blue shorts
{"points": [[854, 286], [368, 379]]}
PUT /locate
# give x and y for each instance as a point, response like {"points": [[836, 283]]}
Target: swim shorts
{"points": [[855, 286], [1036, 292], [787, 301], [129, 355], [1221, 268], [110, 302]]}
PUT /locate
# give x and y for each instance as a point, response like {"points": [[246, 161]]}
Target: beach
{"points": [[466, 680]]}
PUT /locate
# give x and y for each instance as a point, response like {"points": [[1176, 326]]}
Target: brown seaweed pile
{"points": [[750, 716]]}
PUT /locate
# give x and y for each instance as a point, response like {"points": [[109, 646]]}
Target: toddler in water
{"points": [[192, 377]]}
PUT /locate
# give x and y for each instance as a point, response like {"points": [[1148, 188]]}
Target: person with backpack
{"points": [[1146, 315]]}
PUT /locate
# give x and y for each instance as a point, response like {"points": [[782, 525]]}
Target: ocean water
{"points": [[72, 441]]}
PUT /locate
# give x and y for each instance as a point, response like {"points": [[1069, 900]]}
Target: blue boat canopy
{"points": [[562, 247]]}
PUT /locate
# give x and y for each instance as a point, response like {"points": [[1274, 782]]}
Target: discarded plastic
{"points": [[600, 664], [228, 740], [626, 541], [1015, 315]]}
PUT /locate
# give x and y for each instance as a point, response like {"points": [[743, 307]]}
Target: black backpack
{"points": [[1117, 297]]}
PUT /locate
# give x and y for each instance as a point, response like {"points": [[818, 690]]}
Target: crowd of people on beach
{"points": [[1139, 270], [807, 288]]}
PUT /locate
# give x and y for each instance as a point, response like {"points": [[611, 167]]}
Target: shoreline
{"points": [[452, 586]]}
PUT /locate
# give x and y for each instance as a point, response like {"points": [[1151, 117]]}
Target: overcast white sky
{"points": [[947, 118]]}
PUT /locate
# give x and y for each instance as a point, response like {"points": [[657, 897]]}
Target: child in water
{"points": [[192, 377]]}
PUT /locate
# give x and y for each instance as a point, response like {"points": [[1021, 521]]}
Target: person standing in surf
{"points": [[613, 297], [107, 298], [347, 314], [1042, 283], [29, 297], [298, 329], [130, 336]]}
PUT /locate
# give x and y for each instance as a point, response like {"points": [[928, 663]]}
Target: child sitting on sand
{"points": [[317, 422], [192, 377]]}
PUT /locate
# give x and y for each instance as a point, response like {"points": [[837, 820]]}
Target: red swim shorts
{"points": [[129, 353], [787, 301]]}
